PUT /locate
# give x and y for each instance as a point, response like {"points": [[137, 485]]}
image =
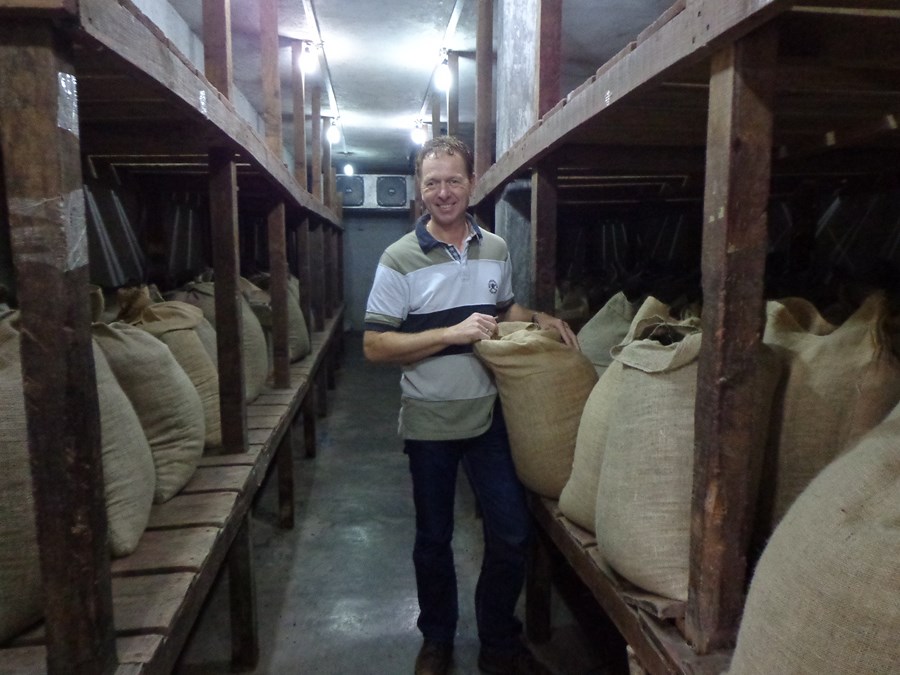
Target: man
{"points": [[437, 291]]}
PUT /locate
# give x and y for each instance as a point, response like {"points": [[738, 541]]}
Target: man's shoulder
{"points": [[403, 253], [493, 245]]}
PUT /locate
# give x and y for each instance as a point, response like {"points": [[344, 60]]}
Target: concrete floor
{"points": [[336, 595]]}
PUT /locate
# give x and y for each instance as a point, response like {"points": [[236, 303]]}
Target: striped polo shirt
{"points": [[422, 283]]}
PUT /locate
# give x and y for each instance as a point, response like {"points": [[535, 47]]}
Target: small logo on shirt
{"points": [[493, 286]]}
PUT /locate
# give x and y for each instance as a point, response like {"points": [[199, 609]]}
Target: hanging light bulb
{"points": [[309, 62], [348, 169], [334, 133], [418, 134], [443, 78]]}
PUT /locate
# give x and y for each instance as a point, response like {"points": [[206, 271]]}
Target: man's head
{"points": [[445, 145]]}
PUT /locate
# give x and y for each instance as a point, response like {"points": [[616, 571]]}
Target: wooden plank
{"points": [[317, 269], [728, 443], [48, 237], [218, 65], [148, 604], [285, 466], [662, 20], [262, 422], [218, 479], [304, 272], [226, 262], [248, 458], [164, 551], [137, 649], [40, 8], [484, 90], [271, 80], [211, 509], [259, 409], [687, 38]]}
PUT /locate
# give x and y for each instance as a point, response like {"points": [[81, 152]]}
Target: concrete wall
{"points": [[366, 235]]}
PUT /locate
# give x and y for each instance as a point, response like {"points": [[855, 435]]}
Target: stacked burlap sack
{"points": [[543, 385], [820, 387], [825, 596], [254, 351], [256, 290]]}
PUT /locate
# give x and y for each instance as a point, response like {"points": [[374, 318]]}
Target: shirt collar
{"points": [[428, 242]]}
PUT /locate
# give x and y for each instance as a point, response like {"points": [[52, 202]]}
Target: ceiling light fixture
{"points": [[334, 132], [348, 169], [418, 134], [443, 78], [309, 61]]}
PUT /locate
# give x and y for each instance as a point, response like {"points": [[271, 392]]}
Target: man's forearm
{"points": [[395, 347]]}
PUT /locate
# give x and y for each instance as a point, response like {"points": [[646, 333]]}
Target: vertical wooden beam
{"points": [[40, 149], [539, 589], [217, 59], [453, 95], [339, 257], [242, 594], [309, 407], [436, 113], [271, 80], [317, 275], [330, 272], [316, 141], [549, 56], [223, 212], [484, 90], [304, 272], [543, 236], [284, 458], [278, 288], [727, 446], [327, 182], [298, 86]]}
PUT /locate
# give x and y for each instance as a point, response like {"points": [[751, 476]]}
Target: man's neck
{"points": [[455, 234]]}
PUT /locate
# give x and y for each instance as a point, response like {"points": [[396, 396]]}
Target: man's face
{"points": [[445, 188]]}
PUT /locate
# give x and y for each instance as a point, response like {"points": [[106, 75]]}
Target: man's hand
{"points": [[476, 327], [565, 332]]}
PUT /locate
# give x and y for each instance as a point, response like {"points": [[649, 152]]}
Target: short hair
{"points": [[445, 145]]}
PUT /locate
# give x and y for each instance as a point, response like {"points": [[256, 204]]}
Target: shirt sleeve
{"points": [[388, 303]]}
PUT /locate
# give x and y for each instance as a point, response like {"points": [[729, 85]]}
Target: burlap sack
{"points": [[825, 597], [129, 475], [260, 300], [543, 385], [578, 500], [164, 398], [605, 330], [840, 381], [20, 574], [643, 509], [254, 349], [175, 323]]}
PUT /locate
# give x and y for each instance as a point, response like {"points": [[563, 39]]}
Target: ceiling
{"points": [[377, 60]]}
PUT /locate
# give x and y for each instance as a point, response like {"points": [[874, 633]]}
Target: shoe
{"points": [[434, 658], [518, 662]]}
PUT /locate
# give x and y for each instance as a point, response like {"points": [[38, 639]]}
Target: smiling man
{"points": [[437, 291]]}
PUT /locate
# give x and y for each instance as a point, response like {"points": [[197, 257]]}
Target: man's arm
{"points": [[516, 312], [396, 347]]}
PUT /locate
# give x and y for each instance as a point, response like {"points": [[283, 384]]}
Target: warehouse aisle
{"points": [[336, 595]]}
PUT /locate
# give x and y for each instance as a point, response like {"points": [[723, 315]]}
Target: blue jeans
{"points": [[487, 462]]}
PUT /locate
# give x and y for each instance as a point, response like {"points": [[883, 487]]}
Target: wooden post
{"points": [[435, 114], [549, 56], [543, 237], [304, 272], [271, 80], [309, 407], [278, 288], [217, 58], [453, 95], [539, 589], [330, 267], [317, 275], [224, 225], [242, 594], [316, 142], [484, 91], [327, 182], [298, 85], [727, 446], [40, 149]]}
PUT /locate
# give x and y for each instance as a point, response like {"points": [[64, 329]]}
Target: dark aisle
{"points": [[336, 595]]}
